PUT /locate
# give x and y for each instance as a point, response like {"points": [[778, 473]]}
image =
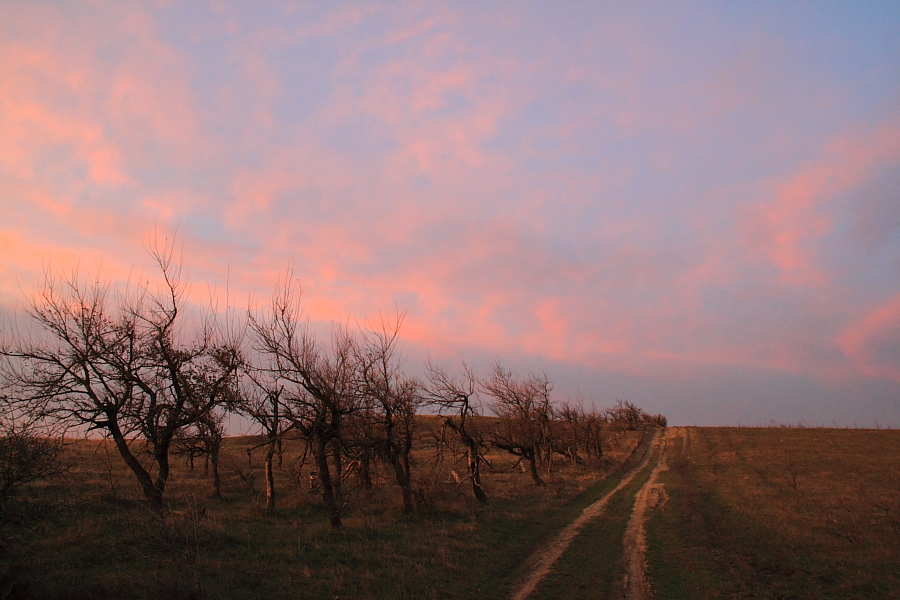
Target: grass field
{"points": [[88, 534], [779, 513], [747, 513]]}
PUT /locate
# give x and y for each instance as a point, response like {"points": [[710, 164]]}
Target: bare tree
{"points": [[525, 411], [579, 430], [262, 400], [362, 440], [627, 414], [570, 434], [186, 443], [396, 399], [122, 365], [203, 438], [28, 452], [210, 431], [593, 432], [457, 400], [320, 384]]}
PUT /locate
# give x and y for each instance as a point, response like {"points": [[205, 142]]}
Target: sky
{"points": [[692, 206]]}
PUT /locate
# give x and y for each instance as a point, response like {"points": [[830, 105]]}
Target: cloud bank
{"points": [[692, 208]]}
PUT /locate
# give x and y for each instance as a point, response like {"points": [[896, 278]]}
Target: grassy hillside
{"points": [[779, 513], [88, 533], [746, 513]]}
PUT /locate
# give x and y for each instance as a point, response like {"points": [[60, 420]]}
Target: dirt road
{"points": [[636, 582], [542, 561]]}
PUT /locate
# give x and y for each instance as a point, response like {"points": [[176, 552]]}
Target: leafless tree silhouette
{"points": [[321, 386], [525, 411], [123, 365], [262, 400], [457, 399], [396, 398], [579, 431], [28, 451]]}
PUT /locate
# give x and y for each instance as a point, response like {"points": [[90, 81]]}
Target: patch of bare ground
{"points": [[636, 581], [541, 562]]}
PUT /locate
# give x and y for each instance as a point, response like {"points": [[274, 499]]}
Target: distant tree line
{"points": [[132, 366]]}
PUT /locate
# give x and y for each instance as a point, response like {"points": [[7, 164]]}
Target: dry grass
{"points": [[829, 487], [88, 533], [781, 513]]}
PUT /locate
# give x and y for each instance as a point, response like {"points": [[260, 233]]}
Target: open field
{"points": [[751, 513], [737, 513], [88, 533], [779, 513]]}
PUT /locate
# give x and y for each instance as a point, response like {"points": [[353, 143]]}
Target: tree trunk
{"points": [[270, 479], [475, 468], [161, 453], [403, 480], [334, 511], [548, 453], [338, 462], [531, 457], [474, 459], [217, 479], [365, 472], [153, 495]]}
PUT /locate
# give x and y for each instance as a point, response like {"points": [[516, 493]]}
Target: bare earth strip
{"points": [[636, 581], [542, 560]]}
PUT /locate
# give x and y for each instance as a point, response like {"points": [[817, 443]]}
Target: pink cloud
{"points": [[515, 201], [26, 261], [872, 342], [79, 119], [347, 18], [32, 124], [787, 228], [55, 92]]}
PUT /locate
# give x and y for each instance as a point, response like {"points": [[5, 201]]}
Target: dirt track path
{"points": [[636, 582], [542, 561]]}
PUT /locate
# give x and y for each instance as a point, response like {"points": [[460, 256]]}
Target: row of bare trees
{"points": [[130, 366]]}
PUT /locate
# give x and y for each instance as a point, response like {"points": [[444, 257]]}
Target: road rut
{"points": [[542, 561], [636, 582]]}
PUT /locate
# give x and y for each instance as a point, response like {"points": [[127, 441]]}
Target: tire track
{"points": [[636, 581], [542, 561]]}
